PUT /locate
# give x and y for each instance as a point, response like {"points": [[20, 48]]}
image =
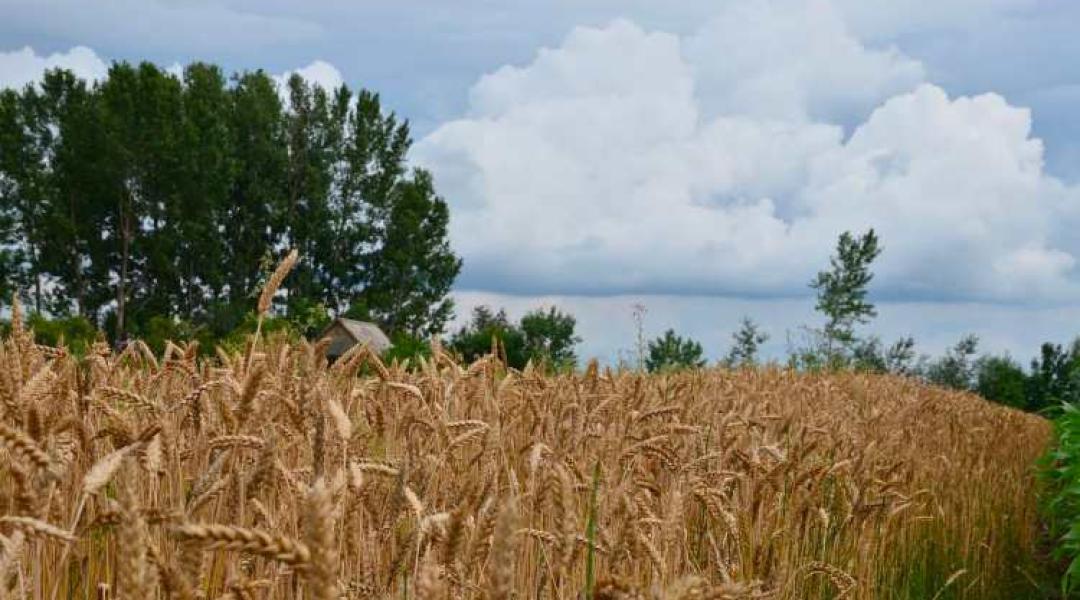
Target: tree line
{"points": [[152, 204], [842, 299]]}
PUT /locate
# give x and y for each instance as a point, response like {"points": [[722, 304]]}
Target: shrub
{"points": [[406, 347], [672, 352], [77, 333], [999, 379], [159, 330]]}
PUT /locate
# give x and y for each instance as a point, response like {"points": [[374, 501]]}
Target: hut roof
{"points": [[345, 333]]}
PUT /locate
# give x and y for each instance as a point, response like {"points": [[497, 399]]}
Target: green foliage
{"points": [[871, 356], [745, 344], [148, 195], [807, 350], [486, 331], [307, 317], [545, 337], [76, 333], [956, 369], [272, 326], [670, 352], [1000, 379], [410, 275], [842, 290], [159, 329], [406, 347], [549, 338], [1055, 377]]}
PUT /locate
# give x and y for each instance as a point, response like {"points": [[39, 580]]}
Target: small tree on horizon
{"points": [[542, 336], [671, 351], [747, 340], [1055, 376], [489, 329], [549, 337], [899, 358], [1001, 379], [842, 290], [956, 369]]}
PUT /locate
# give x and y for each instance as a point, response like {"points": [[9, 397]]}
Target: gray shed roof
{"points": [[346, 333]]}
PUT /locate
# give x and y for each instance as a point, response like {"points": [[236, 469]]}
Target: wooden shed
{"points": [[346, 333]]}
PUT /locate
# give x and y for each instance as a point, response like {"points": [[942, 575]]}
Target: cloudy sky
{"points": [[698, 157]]}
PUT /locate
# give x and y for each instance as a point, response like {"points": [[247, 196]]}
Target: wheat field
{"points": [[269, 473]]}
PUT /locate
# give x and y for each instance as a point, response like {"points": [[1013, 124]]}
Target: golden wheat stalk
{"points": [[501, 578], [322, 576], [102, 472], [215, 536], [275, 280], [24, 447], [37, 528]]}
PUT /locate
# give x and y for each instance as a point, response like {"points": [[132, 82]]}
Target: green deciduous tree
{"points": [[249, 218], [410, 272], [73, 254], [1055, 376], [842, 291], [12, 148], [1000, 379], [140, 111], [549, 337], [25, 164], [545, 337], [957, 368], [869, 354], [745, 345], [671, 351], [207, 176], [487, 331]]}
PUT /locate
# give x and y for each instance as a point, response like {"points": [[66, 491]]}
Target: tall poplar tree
{"points": [[410, 273], [842, 290], [72, 252], [206, 176], [257, 194]]}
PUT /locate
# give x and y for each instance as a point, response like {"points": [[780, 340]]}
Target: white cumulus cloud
{"points": [[727, 161], [318, 72], [792, 60], [20, 67]]}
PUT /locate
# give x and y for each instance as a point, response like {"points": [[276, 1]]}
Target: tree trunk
{"points": [[121, 288], [76, 265], [36, 269], [37, 290]]}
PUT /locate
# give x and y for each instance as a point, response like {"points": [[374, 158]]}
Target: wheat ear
{"points": [[38, 528], [503, 547], [322, 575], [212, 536], [21, 445], [133, 576], [275, 280]]}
